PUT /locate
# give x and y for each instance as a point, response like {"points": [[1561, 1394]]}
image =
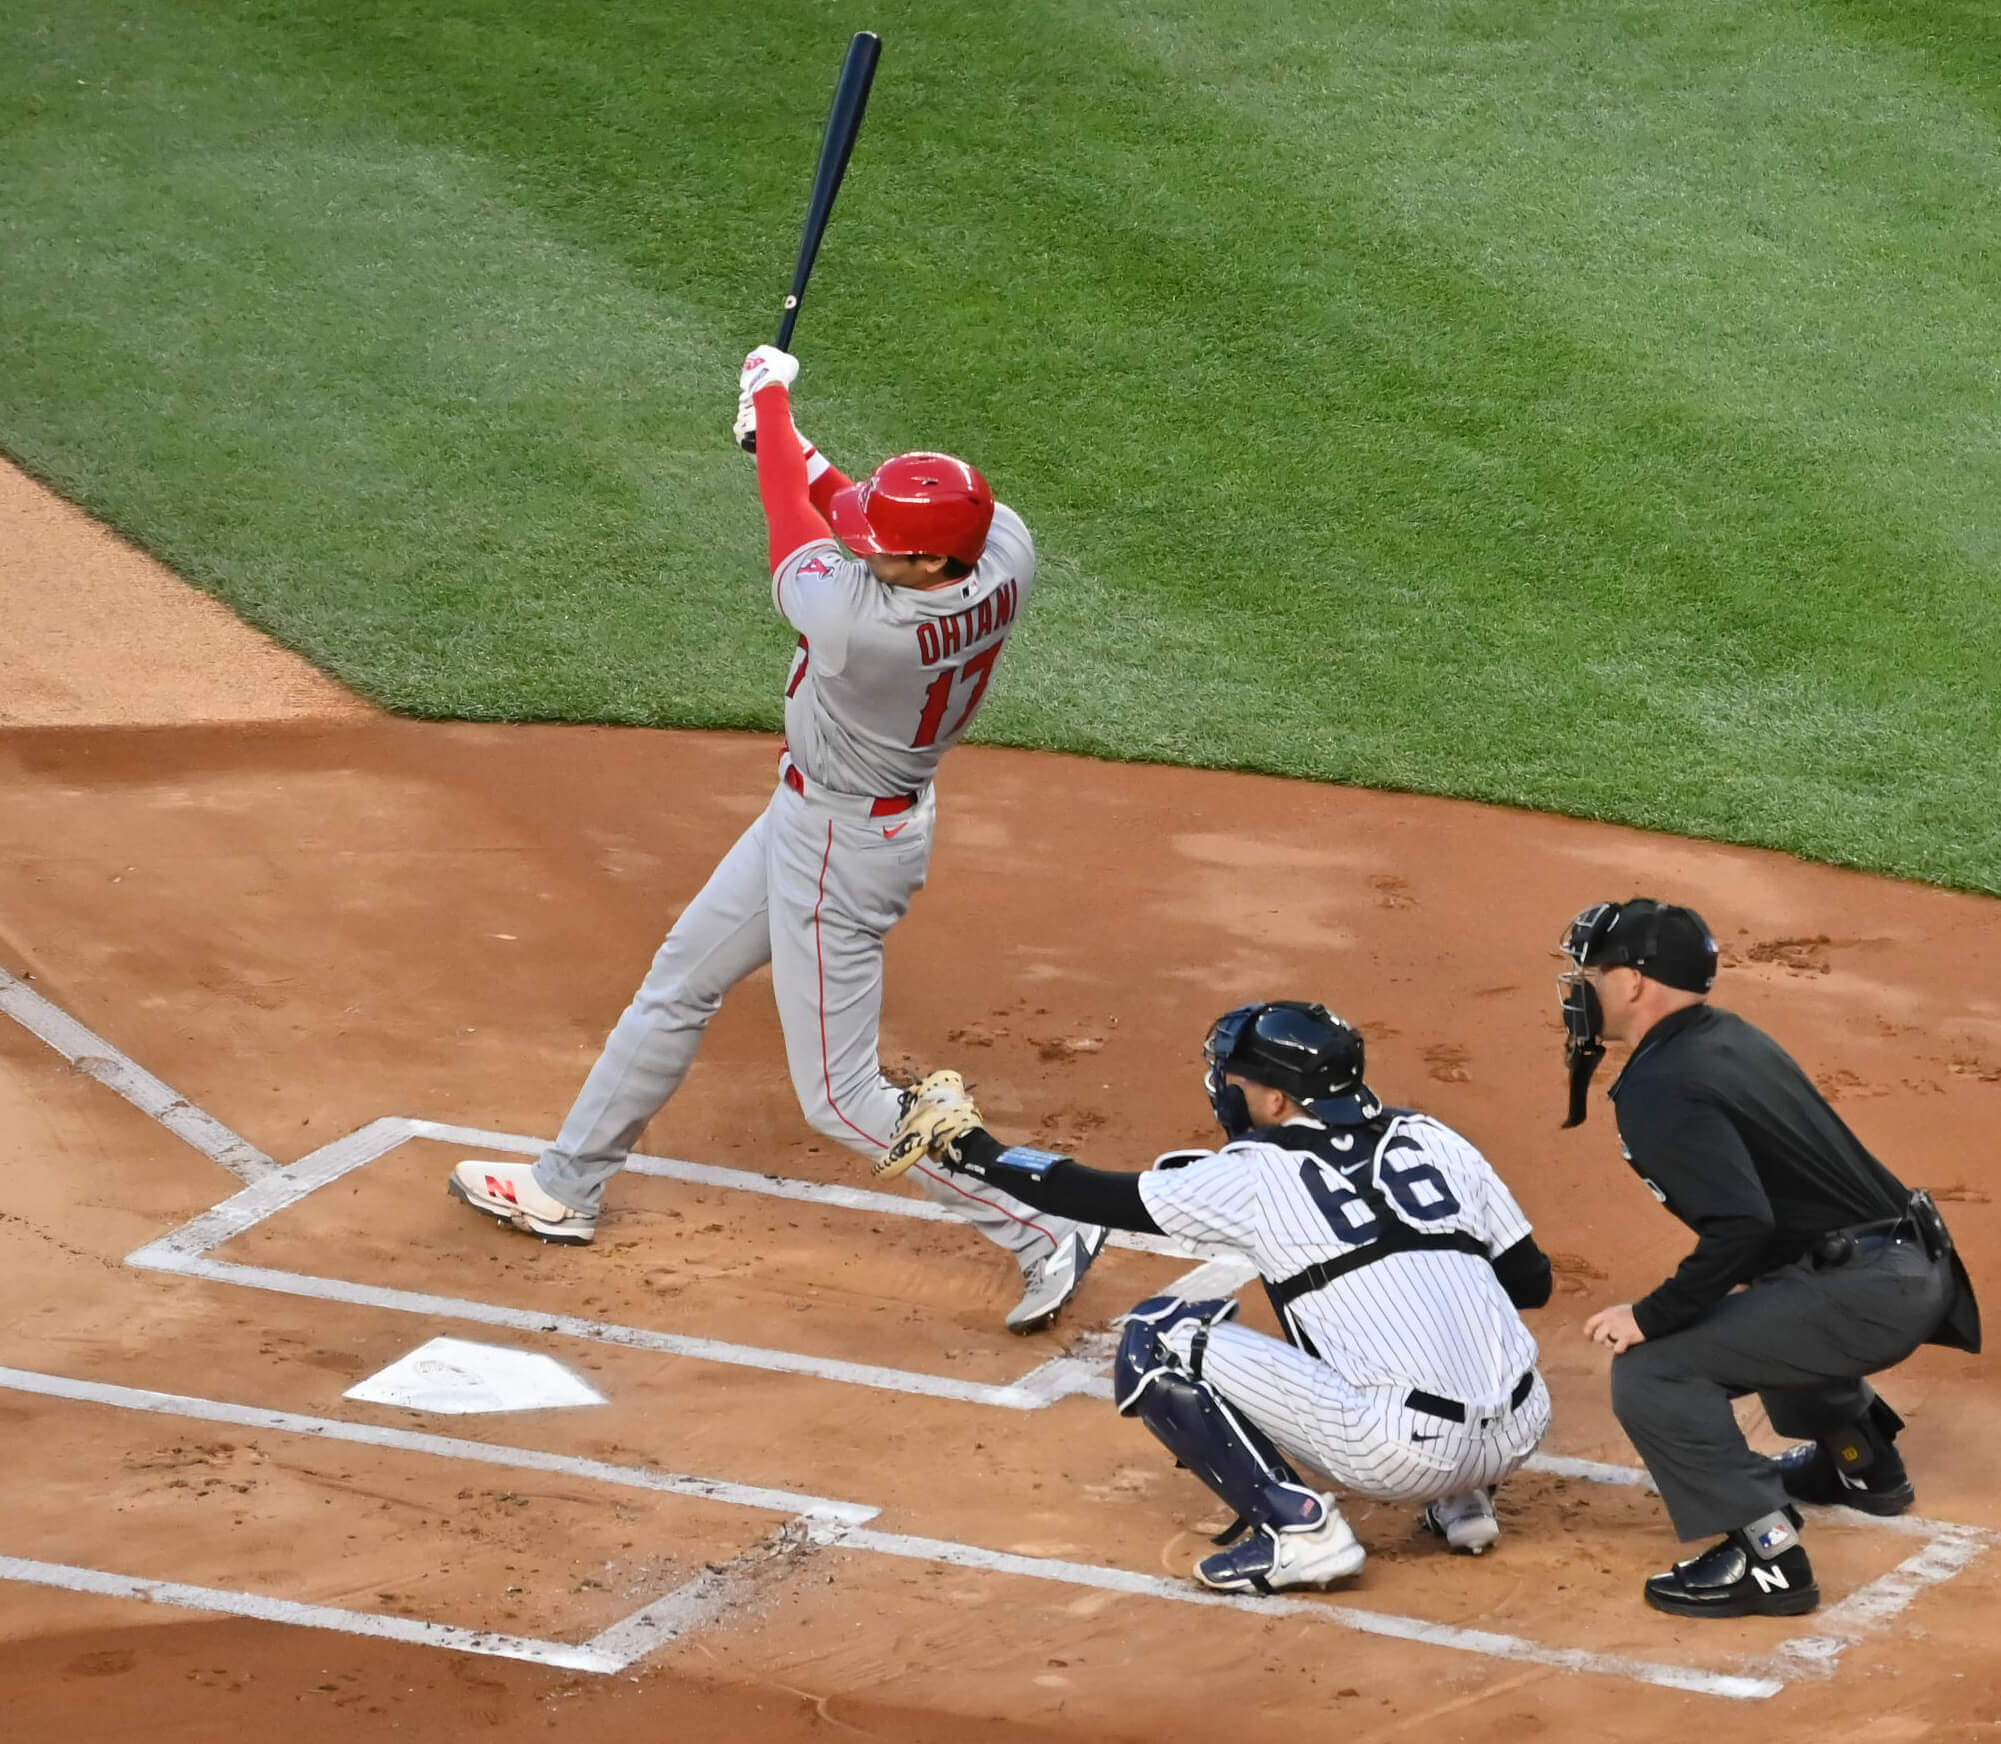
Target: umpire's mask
{"points": [[1583, 1016], [1666, 943]]}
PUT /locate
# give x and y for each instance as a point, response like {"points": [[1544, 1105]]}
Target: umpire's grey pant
{"points": [[1801, 1340]]}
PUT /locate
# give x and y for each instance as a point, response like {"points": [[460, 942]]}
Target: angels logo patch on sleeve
{"points": [[816, 565]]}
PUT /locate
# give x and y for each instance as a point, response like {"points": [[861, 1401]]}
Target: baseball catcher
{"points": [[1395, 1259]]}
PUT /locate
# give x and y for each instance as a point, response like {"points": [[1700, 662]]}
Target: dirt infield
{"points": [[312, 922]]}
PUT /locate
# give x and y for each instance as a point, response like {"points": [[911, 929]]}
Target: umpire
{"points": [[1813, 1266]]}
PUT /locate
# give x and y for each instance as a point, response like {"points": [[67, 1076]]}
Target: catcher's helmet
{"points": [[1302, 1049], [917, 505]]}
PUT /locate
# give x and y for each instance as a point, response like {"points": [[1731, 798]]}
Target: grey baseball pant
{"points": [[812, 893], [1802, 1340]]}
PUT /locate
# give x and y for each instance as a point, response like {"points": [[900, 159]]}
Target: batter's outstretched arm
{"points": [[789, 509], [1055, 1184]]}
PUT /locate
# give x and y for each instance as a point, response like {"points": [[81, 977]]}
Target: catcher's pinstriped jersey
{"points": [[1433, 1319], [1396, 1333]]}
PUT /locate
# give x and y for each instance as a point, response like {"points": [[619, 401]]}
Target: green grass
{"points": [[1585, 407]]}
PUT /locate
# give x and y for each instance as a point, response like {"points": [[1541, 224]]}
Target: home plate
{"points": [[452, 1375]]}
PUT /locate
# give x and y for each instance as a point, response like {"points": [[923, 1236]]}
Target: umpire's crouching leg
{"points": [[1680, 1420]]}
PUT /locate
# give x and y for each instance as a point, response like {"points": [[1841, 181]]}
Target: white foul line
{"points": [[1870, 1606], [1015, 1396], [269, 1610], [91, 1053], [819, 1508], [188, 1252], [817, 1520], [690, 1606], [694, 1604], [1489, 1643]]}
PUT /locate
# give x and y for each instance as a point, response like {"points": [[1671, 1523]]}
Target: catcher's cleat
{"points": [[1466, 1522], [1272, 1559], [509, 1191], [1049, 1283], [1730, 1579]]}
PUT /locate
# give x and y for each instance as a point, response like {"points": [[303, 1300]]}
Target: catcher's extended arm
{"points": [[936, 1114]]}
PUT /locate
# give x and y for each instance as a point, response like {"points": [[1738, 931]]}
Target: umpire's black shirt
{"points": [[1733, 1138]]}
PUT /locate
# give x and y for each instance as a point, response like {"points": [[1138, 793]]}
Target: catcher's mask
{"points": [[1290, 1045], [1665, 943]]}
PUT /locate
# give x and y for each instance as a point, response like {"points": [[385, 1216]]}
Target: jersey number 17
{"points": [[938, 696]]}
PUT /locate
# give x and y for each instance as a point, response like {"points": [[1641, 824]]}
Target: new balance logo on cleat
{"points": [[1731, 1579], [509, 1192]]}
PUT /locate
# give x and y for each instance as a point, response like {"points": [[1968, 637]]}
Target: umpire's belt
{"points": [[1920, 1223], [1454, 1412], [850, 805]]}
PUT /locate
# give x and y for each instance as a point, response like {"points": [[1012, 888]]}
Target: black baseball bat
{"points": [[844, 122]]}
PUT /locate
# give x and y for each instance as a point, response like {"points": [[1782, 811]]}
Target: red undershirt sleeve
{"points": [[827, 486], [781, 479]]}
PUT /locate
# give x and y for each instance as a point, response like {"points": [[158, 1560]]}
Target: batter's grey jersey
{"points": [[1433, 1318], [887, 679]]}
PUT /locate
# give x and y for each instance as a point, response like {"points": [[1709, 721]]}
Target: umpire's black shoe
{"points": [[1811, 1474], [1730, 1579]]}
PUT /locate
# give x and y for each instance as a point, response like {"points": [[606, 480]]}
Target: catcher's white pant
{"points": [[812, 888], [1368, 1439]]}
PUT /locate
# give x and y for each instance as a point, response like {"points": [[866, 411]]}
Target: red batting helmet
{"points": [[917, 505]]}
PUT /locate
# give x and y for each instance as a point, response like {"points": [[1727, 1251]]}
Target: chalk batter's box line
{"points": [[189, 1251], [1947, 1550], [688, 1607], [819, 1522]]}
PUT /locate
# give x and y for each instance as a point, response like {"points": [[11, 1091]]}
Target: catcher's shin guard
{"points": [[1197, 1425]]}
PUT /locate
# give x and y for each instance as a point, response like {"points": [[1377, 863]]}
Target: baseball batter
{"points": [[1395, 1258], [898, 644]]}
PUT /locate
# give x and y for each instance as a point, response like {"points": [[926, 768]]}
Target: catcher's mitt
{"points": [[936, 1114]]}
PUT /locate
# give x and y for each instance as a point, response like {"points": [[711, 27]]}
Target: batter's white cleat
{"points": [[1466, 1522], [1049, 1283], [1269, 1561], [510, 1192]]}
